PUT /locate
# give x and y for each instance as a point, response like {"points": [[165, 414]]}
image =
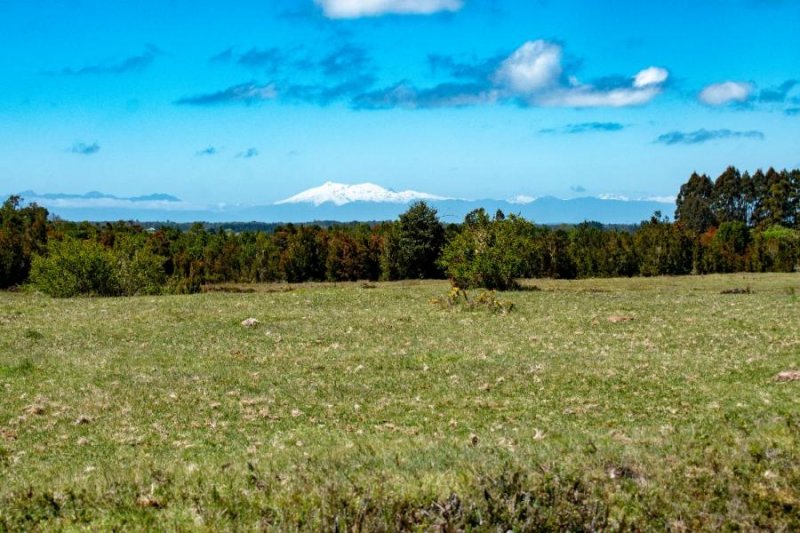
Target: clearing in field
{"points": [[624, 403]]}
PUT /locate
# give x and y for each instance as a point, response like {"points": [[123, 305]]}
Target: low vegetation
{"points": [[364, 407]]}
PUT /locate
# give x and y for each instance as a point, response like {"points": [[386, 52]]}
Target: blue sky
{"points": [[253, 101]]}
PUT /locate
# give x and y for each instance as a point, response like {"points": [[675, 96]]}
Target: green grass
{"points": [[360, 407]]}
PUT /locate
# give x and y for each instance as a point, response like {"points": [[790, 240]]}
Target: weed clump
{"points": [[486, 300], [737, 290]]}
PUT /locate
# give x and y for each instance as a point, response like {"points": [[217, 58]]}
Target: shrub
{"points": [[487, 253], [486, 300], [73, 267], [140, 274], [776, 249]]}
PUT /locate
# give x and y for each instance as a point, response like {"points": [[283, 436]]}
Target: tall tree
{"points": [[728, 197], [419, 241], [694, 203]]}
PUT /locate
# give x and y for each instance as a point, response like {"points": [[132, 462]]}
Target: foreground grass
{"points": [[366, 407]]}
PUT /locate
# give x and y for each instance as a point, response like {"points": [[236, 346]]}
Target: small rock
{"points": [[250, 322], [148, 501], [35, 409], [788, 375], [614, 319]]}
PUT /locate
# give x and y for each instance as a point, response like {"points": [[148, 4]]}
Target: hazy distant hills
{"points": [[345, 203]]}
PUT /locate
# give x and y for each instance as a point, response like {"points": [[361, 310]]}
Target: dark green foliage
{"points": [[303, 258], [596, 252], [663, 248], [729, 197], [264, 260], [556, 261], [487, 253], [415, 244], [776, 249], [73, 268], [694, 203], [23, 233], [724, 249]]}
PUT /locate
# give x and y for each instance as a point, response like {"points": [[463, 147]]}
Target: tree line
{"points": [[737, 222]]}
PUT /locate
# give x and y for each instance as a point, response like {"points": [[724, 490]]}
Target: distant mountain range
{"points": [[95, 195], [345, 203]]}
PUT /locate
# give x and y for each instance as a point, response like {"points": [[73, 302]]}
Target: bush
{"points": [[776, 249], [141, 274], [73, 267], [487, 253]]}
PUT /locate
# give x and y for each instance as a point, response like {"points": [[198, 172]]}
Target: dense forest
{"points": [[738, 222]]}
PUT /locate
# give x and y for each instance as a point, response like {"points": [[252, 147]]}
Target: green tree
{"points": [[415, 244], [694, 203], [775, 249], [487, 253], [304, 256], [663, 248], [23, 234], [728, 201]]}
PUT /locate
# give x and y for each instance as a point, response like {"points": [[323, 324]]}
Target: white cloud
{"points": [[588, 96], [650, 76], [726, 92], [534, 66], [613, 196], [372, 8], [662, 199], [534, 73], [522, 199]]}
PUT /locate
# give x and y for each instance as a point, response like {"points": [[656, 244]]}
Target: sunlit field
{"points": [[645, 403]]}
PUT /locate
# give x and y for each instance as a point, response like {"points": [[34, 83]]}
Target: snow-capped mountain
{"points": [[344, 203], [341, 194]]}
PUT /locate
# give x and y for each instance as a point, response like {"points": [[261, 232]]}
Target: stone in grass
{"points": [[250, 322], [788, 375], [83, 419], [615, 319]]}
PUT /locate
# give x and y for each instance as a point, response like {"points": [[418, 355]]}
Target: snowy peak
{"points": [[341, 194]]}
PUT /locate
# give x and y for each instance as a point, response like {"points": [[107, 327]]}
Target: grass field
{"points": [[356, 406]]}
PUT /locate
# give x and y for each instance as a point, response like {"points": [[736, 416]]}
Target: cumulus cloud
{"points": [[248, 93], [589, 96], [372, 8], [532, 75], [534, 66], [535, 74], [718, 94], [82, 148], [703, 135], [650, 76]]}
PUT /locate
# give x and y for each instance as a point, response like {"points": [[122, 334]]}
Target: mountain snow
{"points": [[341, 194]]}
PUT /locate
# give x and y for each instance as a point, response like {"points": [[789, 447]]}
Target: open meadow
{"points": [[366, 406]]}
